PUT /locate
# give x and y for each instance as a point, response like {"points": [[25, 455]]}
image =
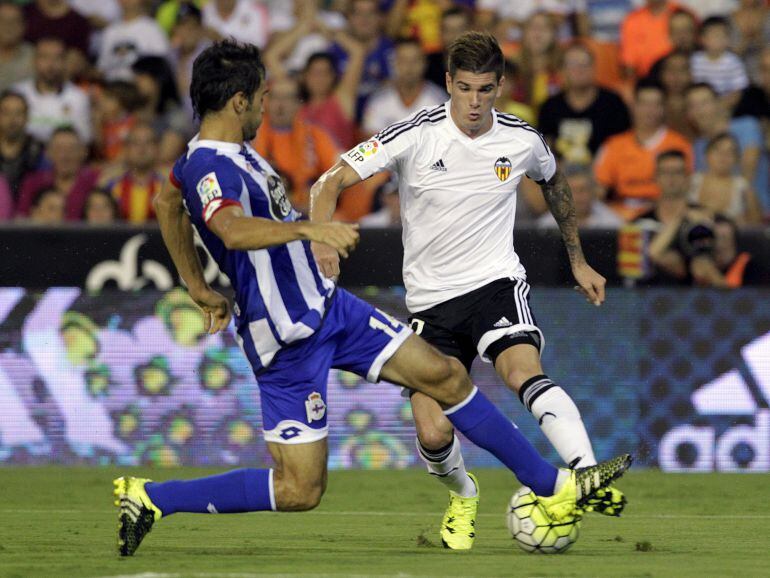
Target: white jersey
{"points": [[458, 198]]}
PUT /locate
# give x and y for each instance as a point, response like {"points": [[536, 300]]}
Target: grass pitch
{"points": [[59, 522]]}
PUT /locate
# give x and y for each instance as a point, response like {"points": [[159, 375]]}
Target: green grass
{"points": [[59, 522]]}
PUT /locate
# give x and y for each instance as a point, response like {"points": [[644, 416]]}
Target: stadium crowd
{"points": [[94, 104]]}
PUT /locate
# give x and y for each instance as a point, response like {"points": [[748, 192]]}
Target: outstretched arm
{"points": [[558, 196], [323, 200], [178, 235]]}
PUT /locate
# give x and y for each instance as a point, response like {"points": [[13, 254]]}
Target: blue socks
{"points": [[483, 424], [245, 490]]}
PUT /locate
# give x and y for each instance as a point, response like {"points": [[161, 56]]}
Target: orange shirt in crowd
{"points": [[627, 167], [302, 154], [113, 137], [644, 38]]}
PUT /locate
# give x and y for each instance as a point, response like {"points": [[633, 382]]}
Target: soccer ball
{"points": [[534, 530]]}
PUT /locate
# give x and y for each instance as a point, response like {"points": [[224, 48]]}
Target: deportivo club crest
{"points": [[315, 407], [502, 168]]}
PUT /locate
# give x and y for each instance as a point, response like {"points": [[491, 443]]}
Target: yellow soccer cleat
{"points": [[608, 501], [136, 515], [458, 528], [582, 489]]}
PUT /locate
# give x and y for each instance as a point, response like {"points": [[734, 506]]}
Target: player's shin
{"points": [[559, 419], [482, 423], [244, 490], [448, 466]]}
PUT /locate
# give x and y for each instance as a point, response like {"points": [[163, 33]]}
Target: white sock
{"points": [[561, 478], [560, 420], [448, 467]]}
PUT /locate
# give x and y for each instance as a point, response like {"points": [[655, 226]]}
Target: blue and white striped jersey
{"points": [[280, 295]]}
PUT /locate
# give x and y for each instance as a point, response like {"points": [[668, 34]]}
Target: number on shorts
{"points": [[417, 326], [375, 323]]}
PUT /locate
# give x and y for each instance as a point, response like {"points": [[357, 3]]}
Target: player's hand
{"points": [[342, 237], [328, 260], [216, 309], [590, 283]]}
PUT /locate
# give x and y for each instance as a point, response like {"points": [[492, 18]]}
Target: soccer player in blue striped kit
{"points": [[294, 324]]}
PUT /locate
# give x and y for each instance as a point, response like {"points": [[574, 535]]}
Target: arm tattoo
{"points": [[559, 198]]}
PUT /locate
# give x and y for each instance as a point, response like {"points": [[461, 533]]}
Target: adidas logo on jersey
{"points": [[438, 166], [503, 322], [730, 394]]}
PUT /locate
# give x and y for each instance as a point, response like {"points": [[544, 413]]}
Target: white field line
{"points": [[421, 514], [250, 575]]}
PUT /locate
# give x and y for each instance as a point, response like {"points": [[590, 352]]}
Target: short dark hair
{"points": [[476, 52], [6, 94], [648, 84], [41, 194], [223, 70], [99, 192], [716, 139], [126, 93], [407, 41], [158, 68], [715, 22], [65, 129], [670, 154]]}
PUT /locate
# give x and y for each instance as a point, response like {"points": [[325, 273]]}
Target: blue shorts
{"points": [[354, 337]]}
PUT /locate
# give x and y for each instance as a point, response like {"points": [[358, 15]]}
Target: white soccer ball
{"points": [[534, 530]]}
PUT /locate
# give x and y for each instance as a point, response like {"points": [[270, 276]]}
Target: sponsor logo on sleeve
{"points": [[208, 188]]}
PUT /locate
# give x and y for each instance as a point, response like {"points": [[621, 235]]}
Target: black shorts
{"points": [[484, 322]]}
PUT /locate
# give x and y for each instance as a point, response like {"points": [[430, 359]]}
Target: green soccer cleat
{"points": [[458, 528], [582, 489], [608, 501], [137, 513]]}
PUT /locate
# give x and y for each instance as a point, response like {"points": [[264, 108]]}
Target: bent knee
{"points": [[293, 495], [449, 382]]}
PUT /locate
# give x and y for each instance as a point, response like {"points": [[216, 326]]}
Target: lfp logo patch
{"points": [[368, 148], [503, 168], [208, 188]]}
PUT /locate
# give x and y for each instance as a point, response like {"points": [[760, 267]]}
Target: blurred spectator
{"points": [[157, 86], [243, 20], [99, 14], [406, 93], [512, 86], [100, 208], [454, 21], [6, 200], [169, 11], [187, 42], [719, 189], [135, 35], [538, 60], [591, 213], [310, 33], [172, 145], [47, 207], [365, 23], [735, 269], [683, 32], [54, 101], [755, 100], [56, 19], [751, 33], [673, 74], [606, 16], [68, 175], [16, 56], [329, 101], [644, 36], [583, 115], [716, 64], [625, 165], [302, 150], [710, 117], [705, 8], [418, 19], [672, 175], [504, 18], [135, 188], [114, 116], [389, 214], [20, 154]]}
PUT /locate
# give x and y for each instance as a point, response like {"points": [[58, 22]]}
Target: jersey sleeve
{"points": [[542, 164], [383, 150], [214, 186], [175, 175]]}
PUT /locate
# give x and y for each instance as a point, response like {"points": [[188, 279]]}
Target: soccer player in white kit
{"points": [[458, 166]]}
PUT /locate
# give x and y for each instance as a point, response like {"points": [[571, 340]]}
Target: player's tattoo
{"points": [[558, 195]]}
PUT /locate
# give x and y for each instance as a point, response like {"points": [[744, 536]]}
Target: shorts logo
{"points": [[290, 432], [503, 168], [208, 188], [315, 407], [503, 322]]}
